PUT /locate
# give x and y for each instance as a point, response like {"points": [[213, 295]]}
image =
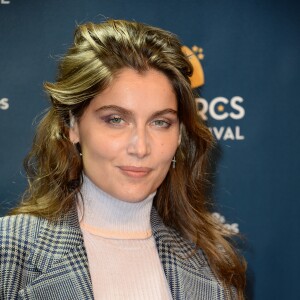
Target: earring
{"points": [[77, 146], [174, 162]]}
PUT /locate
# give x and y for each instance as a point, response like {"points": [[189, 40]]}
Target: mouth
{"points": [[135, 172]]}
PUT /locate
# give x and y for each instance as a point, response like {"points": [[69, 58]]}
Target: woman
{"points": [[116, 207]]}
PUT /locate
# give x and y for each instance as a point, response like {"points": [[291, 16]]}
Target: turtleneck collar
{"points": [[108, 217]]}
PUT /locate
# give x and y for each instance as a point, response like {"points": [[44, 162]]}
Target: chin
{"points": [[136, 197]]}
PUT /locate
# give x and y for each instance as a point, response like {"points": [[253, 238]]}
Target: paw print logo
{"points": [[198, 51], [195, 55]]}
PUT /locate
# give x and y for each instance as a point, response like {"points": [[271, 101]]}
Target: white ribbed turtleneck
{"points": [[122, 254]]}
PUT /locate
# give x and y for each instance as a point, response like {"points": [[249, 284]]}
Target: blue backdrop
{"points": [[249, 51]]}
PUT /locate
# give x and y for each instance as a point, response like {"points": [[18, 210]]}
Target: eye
{"points": [[115, 120], [161, 123]]}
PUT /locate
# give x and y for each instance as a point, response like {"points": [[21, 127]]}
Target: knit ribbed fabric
{"points": [[122, 254]]}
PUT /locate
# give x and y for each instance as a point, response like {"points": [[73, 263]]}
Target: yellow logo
{"points": [[195, 55]]}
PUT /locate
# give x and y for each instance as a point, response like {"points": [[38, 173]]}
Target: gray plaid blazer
{"points": [[47, 261]]}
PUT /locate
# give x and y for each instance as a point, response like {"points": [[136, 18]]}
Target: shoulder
{"points": [[24, 238], [18, 226], [18, 232], [24, 230], [18, 235]]}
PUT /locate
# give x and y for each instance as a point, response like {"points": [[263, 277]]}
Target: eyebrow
{"points": [[116, 108], [128, 113]]}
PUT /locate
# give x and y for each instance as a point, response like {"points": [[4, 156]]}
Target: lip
{"points": [[135, 172]]}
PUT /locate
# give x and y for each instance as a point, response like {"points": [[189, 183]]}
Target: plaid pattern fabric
{"points": [[45, 260], [187, 272]]}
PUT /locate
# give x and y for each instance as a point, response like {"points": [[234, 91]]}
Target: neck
{"points": [[106, 216]]}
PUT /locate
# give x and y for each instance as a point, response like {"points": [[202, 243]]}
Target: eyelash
{"points": [[165, 123]]}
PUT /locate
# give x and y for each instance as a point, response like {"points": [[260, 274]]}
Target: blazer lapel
{"points": [[186, 268], [57, 266]]}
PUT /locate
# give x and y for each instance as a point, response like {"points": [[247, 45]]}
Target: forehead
{"points": [[133, 90]]}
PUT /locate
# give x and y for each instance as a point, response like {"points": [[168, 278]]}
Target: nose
{"points": [[139, 143]]}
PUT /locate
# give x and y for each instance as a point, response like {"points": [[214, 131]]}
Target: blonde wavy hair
{"points": [[54, 167]]}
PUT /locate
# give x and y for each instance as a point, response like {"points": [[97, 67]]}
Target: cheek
{"points": [[168, 149], [111, 145], [101, 145]]}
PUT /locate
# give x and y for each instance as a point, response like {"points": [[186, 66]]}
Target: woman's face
{"points": [[129, 134]]}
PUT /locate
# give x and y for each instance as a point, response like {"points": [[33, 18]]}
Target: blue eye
{"points": [[115, 120], [162, 123]]}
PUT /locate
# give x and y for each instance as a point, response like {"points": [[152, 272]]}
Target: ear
{"points": [[74, 130]]}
